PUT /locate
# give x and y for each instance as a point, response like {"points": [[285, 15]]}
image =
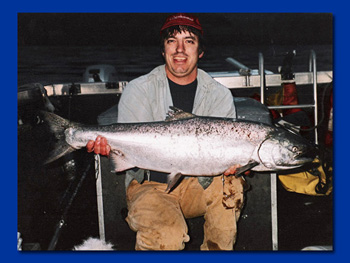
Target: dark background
{"points": [[57, 47], [122, 29]]}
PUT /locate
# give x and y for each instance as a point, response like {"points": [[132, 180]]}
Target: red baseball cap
{"points": [[182, 19]]}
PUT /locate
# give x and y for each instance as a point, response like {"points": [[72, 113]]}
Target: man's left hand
{"points": [[99, 146]]}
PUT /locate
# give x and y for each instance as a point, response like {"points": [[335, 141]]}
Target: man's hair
{"points": [[171, 31]]}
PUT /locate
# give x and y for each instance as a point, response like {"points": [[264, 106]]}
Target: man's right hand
{"points": [[232, 170], [99, 146]]}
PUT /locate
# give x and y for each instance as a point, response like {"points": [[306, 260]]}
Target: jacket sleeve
{"points": [[223, 104], [214, 99], [133, 105], [220, 103]]}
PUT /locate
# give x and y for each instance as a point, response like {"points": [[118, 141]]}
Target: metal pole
{"points": [[291, 106], [236, 63], [274, 221], [262, 78], [98, 174], [314, 78], [62, 221]]}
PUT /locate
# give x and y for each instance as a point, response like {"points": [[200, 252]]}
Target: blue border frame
{"points": [[9, 107]]}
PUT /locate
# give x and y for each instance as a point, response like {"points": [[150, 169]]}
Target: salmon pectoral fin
{"points": [[119, 162], [251, 164], [173, 179]]}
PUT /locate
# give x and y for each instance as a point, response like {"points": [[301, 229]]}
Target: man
{"points": [[159, 217]]}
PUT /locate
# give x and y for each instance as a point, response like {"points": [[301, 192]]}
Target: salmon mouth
{"points": [[301, 161], [302, 157], [309, 153]]}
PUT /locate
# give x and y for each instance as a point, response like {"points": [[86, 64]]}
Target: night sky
{"points": [[120, 29]]}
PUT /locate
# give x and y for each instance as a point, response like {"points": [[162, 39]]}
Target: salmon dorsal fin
{"points": [[178, 114]]}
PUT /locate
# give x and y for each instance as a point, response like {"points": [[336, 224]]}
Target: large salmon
{"points": [[186, 144]]}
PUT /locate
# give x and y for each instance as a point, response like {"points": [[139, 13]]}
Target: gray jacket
{"points": [[148, 98]]}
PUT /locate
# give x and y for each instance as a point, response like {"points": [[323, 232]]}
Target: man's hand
{"points": [[232, 170], [99, 146]]}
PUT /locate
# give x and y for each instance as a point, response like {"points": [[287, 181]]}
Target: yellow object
{"points": [[306, 182]]}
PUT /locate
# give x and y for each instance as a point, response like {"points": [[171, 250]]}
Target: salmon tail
{"points": [[57, 126], [61, 148]]}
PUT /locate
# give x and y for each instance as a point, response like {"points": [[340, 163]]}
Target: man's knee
{"points": [[156, 217], [165, 238]]}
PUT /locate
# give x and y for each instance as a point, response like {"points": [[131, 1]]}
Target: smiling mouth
{"points": [[180, 59]]}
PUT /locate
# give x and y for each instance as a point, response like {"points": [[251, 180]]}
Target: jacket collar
{"points": [[203, 78], [203, 87]]}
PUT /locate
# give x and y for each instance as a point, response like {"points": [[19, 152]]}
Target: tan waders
{"points": [[159, 217]]}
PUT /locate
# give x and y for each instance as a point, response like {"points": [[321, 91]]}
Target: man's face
{"points": [[181, 57]]}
